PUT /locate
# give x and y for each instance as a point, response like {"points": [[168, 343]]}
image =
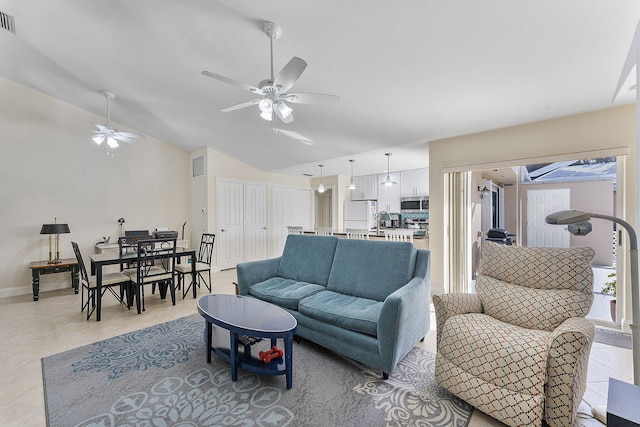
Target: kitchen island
{"points": [[420, 242]]}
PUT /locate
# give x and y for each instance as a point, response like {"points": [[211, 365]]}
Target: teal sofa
{"points": [[365, 299]]}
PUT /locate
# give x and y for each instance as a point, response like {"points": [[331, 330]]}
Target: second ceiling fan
{"points": [[273, 91]]}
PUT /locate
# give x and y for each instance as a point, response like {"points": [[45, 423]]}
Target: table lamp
{"points": [[56, 229]]}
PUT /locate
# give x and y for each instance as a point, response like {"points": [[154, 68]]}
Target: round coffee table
{"points": [[250, 318]]}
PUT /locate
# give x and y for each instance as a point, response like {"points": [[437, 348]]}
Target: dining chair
{"points": [[294, 229], [203, 264], [155, 264], [357, 233], [324, 231], [399, 235], [109, 281]]}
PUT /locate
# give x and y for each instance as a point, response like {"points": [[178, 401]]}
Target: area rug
{"points": [[158, 376]]}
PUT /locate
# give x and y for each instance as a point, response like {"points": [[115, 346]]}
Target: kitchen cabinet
{"points": [[389, 197], [414, 182], [366, 188]]}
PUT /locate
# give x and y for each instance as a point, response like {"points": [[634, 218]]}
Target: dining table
{"points": [[98, 261]]}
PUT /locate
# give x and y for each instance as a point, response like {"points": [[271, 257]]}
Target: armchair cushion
{"points": [[531, 308], [497, 367]]}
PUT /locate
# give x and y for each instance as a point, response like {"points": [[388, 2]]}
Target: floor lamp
{"points": [[577, 222]]}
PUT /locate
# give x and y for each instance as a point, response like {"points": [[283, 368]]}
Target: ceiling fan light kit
{"points": [[109, 133], [273, 91]]}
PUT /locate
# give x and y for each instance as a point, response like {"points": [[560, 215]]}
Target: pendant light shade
{"points": [[321, 186], [388, 182], [352, 185]]}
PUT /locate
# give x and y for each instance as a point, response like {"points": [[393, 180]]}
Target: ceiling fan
{"points": [[273, 91], [109, 133]]}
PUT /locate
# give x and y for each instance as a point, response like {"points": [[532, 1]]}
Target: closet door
{"points": [[230, 235], [255, 222]]}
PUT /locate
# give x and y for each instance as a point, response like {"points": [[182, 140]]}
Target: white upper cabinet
{"points": [[366, 188], [414, 182], [389, 197]]}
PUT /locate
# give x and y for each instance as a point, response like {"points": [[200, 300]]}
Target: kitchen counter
{"points": [[420, 242]]}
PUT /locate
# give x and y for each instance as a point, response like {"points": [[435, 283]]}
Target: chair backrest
{"points": [[155, 257], [399, 235], [206, 248], [294, 229], [324, 231], [83, 270], [357, 233], [535, 288]]}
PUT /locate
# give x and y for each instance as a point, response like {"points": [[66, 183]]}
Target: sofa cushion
{"points": [[371, 269], [530, 308], [348, 312], [307, 258], [283, 292]]}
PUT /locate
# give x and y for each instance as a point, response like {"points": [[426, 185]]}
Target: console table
{"points": [[43, 267]]}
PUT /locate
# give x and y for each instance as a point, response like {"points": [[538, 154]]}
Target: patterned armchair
{"points": [[518, 349]]}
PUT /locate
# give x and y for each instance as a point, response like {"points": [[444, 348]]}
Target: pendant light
{"points": [[387, 182], [352, 185], [321, 186]]}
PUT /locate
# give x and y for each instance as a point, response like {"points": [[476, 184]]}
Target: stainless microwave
{"points": [[414, 204]]}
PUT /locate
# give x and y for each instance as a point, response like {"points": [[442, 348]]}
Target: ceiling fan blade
{"points": [[233, 82], [295, 135], [312, 98], [129, 135], [125, 139], [241, 105], [290, 73], [103, 128], [283, 118]]}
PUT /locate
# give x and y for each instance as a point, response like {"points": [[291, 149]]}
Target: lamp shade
{"points": [[55, 229]]}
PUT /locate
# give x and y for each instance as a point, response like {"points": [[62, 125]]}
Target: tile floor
{"points": [[32, 330]]}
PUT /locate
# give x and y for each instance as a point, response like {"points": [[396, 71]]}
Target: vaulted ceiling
{"points": [[406, 72]]}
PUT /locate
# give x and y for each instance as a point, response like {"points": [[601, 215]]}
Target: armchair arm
{"points": [[449, 305], [567, 370], [253, 272], [404, 320]]}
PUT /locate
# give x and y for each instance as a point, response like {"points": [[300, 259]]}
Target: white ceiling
{"points": [[407, 72]]}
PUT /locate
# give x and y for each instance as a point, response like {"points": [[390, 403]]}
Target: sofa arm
{"points": [[404, 320], [449, 305], [567, 370], [253, 272]]}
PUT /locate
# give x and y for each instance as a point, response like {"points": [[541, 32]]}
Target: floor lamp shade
{"points": [[57, 230]]}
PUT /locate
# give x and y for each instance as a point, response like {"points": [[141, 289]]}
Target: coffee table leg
{"points": [[208, 348], [233, 355], [288, 359]]}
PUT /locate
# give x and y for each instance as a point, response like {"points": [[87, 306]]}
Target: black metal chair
{"points": [[155, 264], [109, 281], [203, 265]]}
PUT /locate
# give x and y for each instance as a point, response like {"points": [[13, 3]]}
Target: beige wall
{"points": [[565, 138], [50, 168]]}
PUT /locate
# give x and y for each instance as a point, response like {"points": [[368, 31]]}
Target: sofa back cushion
{"points": [[307, 258], [371, 269], [535, 288]]}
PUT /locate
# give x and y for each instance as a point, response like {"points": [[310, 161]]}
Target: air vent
{"points": [[6, 22], [198, 166]]}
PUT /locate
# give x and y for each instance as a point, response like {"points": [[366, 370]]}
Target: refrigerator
{"points": [[360, 214]]}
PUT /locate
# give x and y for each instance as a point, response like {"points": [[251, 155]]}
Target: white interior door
{"points": [[230, 238], [255, 222], [541, 203]]}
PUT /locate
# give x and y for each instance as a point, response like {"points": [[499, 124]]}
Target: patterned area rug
{"points": [[158, 376]]}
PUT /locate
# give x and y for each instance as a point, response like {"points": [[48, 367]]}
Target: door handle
{"points": [[223, 230], [264, 228]]}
